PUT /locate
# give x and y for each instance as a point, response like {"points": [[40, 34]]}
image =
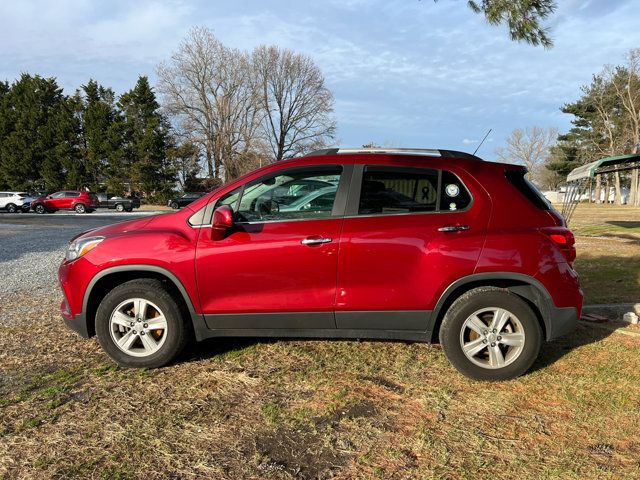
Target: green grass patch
{"points": [[609, 279]]}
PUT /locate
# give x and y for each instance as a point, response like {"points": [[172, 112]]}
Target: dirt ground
{"points": [[250, 408]]}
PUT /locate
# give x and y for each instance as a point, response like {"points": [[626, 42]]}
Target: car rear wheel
{"points": [[40, 209], [80, 208], [11, 208], [119, 207], [174, 205], [490, 333], [129, 209], [139, 324]]}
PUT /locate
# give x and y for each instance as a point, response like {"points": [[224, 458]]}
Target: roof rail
{"points": [[429, 152]]}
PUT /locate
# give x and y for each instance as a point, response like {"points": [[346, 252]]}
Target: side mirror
{"points": [[222, 221]]}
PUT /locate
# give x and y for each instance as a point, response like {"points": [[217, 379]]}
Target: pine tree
{"points": [[146, 136], [31, 110], [102, 137]]}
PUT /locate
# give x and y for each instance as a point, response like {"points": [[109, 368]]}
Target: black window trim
{"points": [[353, 202], [339, 205]]}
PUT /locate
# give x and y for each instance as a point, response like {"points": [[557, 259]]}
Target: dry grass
{"points": [[308, 409], [314, 409], [608, 245]]}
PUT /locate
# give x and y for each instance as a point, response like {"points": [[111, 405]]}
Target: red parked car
{"points": [[416, 245], [79, 201]]}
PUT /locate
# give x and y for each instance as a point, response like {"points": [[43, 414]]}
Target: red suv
{"points": [[415, 245], [79, 201]]}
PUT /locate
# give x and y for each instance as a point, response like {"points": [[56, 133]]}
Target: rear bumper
{"points": [[562, 321]]}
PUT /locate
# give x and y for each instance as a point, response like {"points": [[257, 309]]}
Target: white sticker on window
{"points": [[452, 190]]}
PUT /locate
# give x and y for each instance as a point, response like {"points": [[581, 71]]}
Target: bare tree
{"points": [[531, 147], [626, 84], [208, 87], [293, 98]]}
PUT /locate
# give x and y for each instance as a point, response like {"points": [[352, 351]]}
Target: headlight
{"points": [[81, 246]]}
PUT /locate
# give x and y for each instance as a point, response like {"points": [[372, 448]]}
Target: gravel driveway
{"points": [[32, 246]]}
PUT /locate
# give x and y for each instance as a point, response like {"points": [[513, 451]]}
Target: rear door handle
{"points": [[316, 240], [454, 228]]}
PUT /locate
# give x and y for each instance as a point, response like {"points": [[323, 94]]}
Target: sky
{"points": [[404, 73]]}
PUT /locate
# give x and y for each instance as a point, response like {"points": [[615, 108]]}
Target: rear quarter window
{"points": [[529, 190]]}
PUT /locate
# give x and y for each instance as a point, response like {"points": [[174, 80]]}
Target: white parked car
{"points": [[15, 201]]}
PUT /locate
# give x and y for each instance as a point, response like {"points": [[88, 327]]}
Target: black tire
{"points": [[174, 205], [178, 333], [470, 303], [40, 209], [80, 208], [128, 209], [119, 207], [11, 208]]}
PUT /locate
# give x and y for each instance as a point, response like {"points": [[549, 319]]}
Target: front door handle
{"points": [[316, 240], [454, 228]]}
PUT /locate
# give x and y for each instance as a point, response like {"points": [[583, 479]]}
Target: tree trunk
{"points": [[633, 189], [618, 187], [598, 188]]}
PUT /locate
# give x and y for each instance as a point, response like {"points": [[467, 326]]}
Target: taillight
{"points": [[564, 240]]}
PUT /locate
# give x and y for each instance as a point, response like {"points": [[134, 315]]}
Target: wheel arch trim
{"points": [[528, 288], [196, 318]]}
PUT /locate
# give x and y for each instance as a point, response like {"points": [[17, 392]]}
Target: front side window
{"points": [[295, 194], [58, 195], [387, 190]]}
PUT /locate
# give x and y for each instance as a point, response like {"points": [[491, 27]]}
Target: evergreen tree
{"points": [[102, 138], [30, 111], [6, 126], [146, 136]]}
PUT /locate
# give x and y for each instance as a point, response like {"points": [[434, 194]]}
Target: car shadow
{"points": [[585, 334], [212, 347]]}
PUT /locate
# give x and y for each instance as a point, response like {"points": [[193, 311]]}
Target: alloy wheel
{"points": [[492, 337], [138, 327]]}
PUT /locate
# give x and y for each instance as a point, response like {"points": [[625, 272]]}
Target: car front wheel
{"points": [[139, 324], [174, 205], [490, 333], [40, 209], [119, 207]]}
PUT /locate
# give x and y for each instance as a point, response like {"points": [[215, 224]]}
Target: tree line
{"points": [[91, 139], [220, 113], [605, 123]]}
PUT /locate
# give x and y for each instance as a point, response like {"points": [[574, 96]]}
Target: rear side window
{"points": [[453, 194], [389, 190], [393, 190], [528, 189]]}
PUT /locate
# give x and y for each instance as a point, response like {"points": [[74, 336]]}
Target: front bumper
{"points": [[78, 324], [73, 278]]}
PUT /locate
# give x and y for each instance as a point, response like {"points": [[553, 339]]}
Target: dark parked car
{"points": [[417, 245], [117, 203], [79, 201], [185, 199]]}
